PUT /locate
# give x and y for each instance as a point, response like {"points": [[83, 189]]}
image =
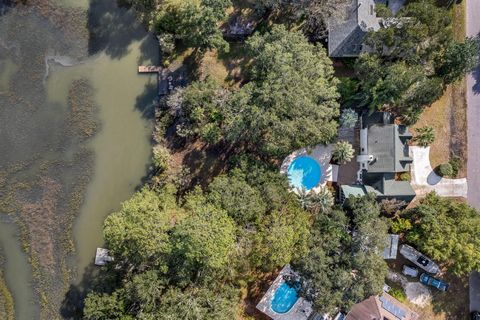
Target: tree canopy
{"points": [[138, 233], [447, 231], [180, 257], [344, 265], [413, 58], [203, 242], [195, 22], [289, 102]]}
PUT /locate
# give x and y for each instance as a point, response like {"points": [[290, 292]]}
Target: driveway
{"points": [[425, 180], [473, 111]]}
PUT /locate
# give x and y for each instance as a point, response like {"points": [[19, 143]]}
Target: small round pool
{"points": [[284, 298], [304, 173]]}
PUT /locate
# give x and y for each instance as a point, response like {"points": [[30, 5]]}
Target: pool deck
{"points": [[322, 154], [301, 310]]}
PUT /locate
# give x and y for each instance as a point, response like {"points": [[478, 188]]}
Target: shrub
{"points": [[445, 170], [383, 11], [343, 152], [456, 165], [425, 136], [348, 89], [398, 294], [405, 176], [161, 158], [349, 118], [400, 225]]}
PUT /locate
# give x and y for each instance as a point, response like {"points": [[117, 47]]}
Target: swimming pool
{"points": [[284, 298], [304, 173]]}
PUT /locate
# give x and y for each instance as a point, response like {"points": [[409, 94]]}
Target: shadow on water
{"points": [[145, 101], [99, 279], [112, 29]]}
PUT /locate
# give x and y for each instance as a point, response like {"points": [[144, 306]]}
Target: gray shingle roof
{"points": [[388, 145], [345, 36]]}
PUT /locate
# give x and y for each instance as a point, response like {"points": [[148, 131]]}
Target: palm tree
{"points": [[343, 152], [316, 202], [322, 201], [425, 136], [304, 198]]}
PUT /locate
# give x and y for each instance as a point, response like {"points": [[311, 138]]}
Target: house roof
{"points": [[388, 145], [365, 310], [379, 308], [345, 35]]}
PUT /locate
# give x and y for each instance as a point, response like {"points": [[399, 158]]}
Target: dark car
{"points": [[433, 282]]}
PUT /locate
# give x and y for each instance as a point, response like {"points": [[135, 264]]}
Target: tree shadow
{"points": [[476, 74], [476, 77], [73, 303], [433, 178], [146, 101], [149, 50], [454, 302], [236, 61], [206, 162], [112, 28]]}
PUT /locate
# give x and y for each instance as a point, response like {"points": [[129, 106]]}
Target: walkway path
{"points": [[425, 180], [473, 112]]}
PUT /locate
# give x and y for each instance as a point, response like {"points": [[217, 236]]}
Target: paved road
{"points": [[474, 291], [473, 112]]}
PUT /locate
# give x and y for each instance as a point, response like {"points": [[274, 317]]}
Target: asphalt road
{"points": [[474, 285], [473, 111]]}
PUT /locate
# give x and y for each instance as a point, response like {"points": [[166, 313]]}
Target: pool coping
{"points": [[301, 310], [320, 153]]}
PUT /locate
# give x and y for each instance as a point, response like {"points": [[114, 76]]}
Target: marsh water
{"points": [[75, 131]]}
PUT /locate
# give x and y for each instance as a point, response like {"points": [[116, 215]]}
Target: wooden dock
{"points": [[163, 77], [150, 69]]}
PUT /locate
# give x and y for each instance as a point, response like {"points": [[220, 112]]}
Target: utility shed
{"points": [[391, 248]]}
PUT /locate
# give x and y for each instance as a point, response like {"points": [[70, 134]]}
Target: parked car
{"points": [[431, 281], [419, 259], [410, 271]]}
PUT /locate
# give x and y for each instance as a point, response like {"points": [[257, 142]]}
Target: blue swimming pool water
{"points": [[284, 298], [304, 172]]}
